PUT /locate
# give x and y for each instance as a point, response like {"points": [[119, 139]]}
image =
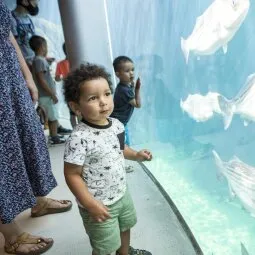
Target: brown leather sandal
{"points": [[47, 208], [26, 238]]}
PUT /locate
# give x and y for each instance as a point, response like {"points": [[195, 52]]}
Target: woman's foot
{"points": [[50, 206], [26, 244]]}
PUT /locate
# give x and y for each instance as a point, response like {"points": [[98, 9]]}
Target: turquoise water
{"points": [[183, 163]]}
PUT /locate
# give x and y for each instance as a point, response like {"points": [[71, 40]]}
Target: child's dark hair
{"points": [[119, 61], [36, 42], [19, 2], [86, 72]]}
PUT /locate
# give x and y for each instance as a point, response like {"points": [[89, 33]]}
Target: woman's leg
{"points": [[12, 231]]}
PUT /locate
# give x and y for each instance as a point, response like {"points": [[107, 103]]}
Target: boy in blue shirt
{"points": [[127, 93]]}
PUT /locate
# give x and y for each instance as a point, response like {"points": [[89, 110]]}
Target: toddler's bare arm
{"points": [[141, 155], [80, 190]]}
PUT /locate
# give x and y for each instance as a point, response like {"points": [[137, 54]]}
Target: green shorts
{"points": [[105, 236]]}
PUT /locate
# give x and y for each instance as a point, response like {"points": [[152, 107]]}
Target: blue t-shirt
{"points": [[23, 29], [123, 110]]}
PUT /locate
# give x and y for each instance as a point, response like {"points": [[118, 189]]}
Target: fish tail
{"points": [[185, 49], [227, 109]]}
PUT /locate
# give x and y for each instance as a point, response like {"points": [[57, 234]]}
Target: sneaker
{"points": [[64, 131], [56, 140], [129, 169], [133, 251]]}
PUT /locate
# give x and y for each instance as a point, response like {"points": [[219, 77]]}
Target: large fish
{"points": [[241, 180], [215, 27]]}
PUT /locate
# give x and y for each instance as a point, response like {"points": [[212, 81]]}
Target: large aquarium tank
{"points": [[203, 144], [196, 61]]}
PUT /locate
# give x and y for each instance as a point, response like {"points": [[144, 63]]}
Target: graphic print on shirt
{"points": [[99, 151]]}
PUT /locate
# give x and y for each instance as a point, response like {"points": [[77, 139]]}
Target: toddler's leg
{"points": [[125, 242], [53, 127]]}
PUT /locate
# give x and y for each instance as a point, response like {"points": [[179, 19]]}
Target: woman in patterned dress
{"points": [[25, 170]]}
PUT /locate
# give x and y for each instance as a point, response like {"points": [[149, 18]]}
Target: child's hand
{"points": [[143, 155], [138, 83], [54, 99], [99, 212], [50, 60]]}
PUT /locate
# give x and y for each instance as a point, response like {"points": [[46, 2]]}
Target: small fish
{"points": [[201, 108], [241, 180], [215, 27]]}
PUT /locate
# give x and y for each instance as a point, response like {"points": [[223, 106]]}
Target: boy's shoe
{"points": [[129, 169], [64, 131], [56, 140], [133, 251]]}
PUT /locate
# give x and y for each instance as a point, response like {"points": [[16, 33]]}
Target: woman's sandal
{"points": [[47, 208], [26, 238]]}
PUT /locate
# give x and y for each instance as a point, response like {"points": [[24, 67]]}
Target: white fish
{"points": [[215, 27], [243, 103], [241, 180], [201, 108], [243, 250]]}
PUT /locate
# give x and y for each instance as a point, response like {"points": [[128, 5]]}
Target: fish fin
{"points": [[225, 48], [217, 158], [181, 105], [219, 164], [243, 250], [231, 192], [185, 50], [227, 110]]}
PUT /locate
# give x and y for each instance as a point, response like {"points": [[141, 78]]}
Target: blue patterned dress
{"points": [[25, 170]]}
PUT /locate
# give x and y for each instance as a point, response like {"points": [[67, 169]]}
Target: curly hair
{"points": [[86, 72], [119, 61]]}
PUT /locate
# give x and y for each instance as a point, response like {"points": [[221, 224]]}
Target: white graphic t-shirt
{"points": [[99, 149]]}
